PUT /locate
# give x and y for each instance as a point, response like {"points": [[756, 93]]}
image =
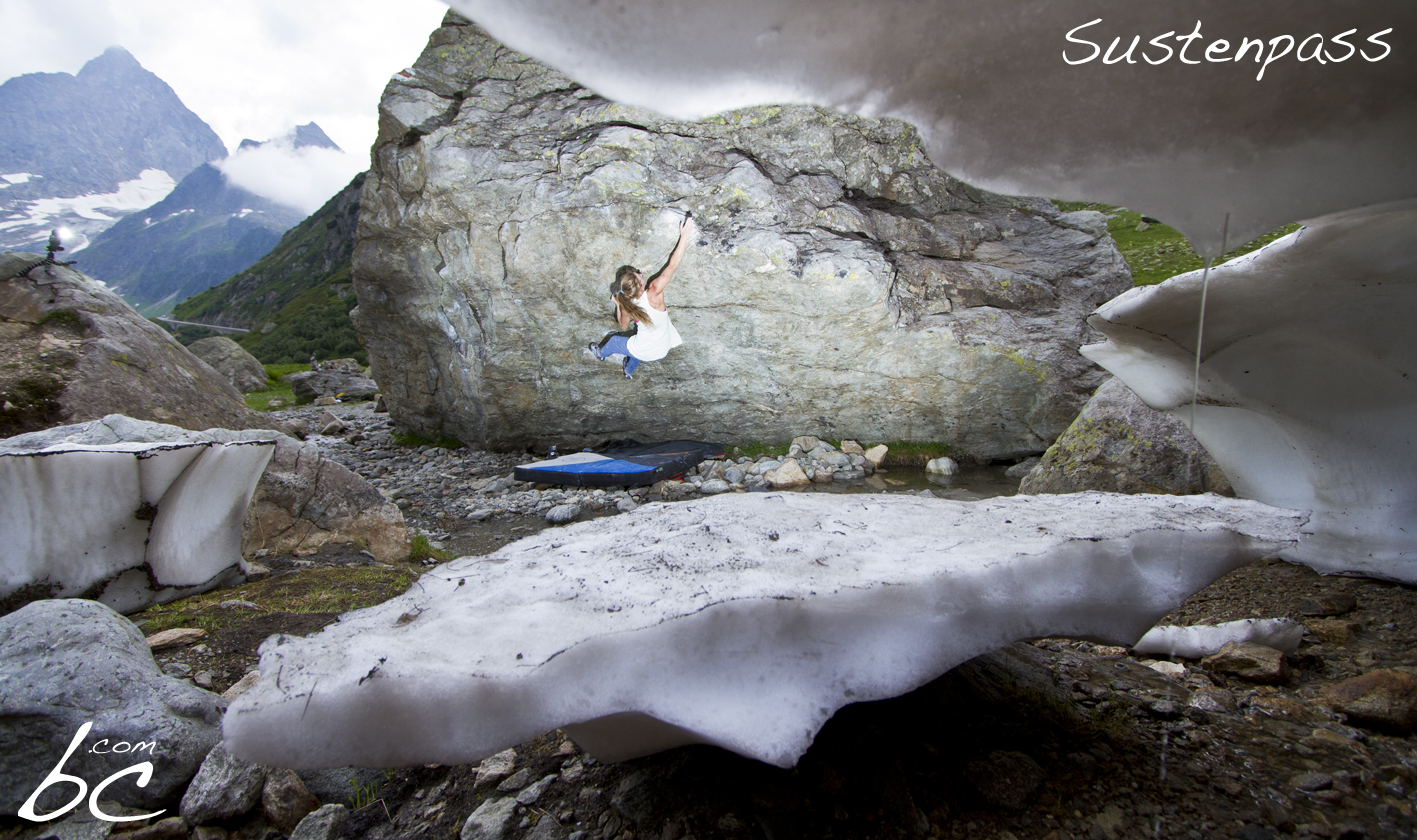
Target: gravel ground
{"points": [[1056, 739]]}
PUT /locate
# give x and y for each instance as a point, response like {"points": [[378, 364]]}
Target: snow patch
{"points": [[16, 178], [742, 620], [142, 523], [1199, 640], [150, 187]]}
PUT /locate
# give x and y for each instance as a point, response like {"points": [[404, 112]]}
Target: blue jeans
{"points": [[619, 344]]}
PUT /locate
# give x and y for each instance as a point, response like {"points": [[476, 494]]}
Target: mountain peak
{"points": [[113, 61], [311, 134]]}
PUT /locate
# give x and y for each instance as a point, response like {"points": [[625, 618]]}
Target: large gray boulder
{"points": [[84, 353], [231, 360], [839, 281], [1119, 444], [71, 662]]}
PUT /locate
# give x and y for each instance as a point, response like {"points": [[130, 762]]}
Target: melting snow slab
{"points": [[127, 524], [742, 620]]}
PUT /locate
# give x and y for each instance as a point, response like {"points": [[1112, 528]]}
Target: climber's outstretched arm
{"points": [[662, 277]]}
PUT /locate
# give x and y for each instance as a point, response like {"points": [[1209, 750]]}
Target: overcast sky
{"points": [[250, 68]]}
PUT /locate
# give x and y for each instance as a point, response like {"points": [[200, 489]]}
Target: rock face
{"points": [[82, 353], [742, 620], [69, 662], [1119, 444], [832, 258], [231, 360], [1306, 396]]}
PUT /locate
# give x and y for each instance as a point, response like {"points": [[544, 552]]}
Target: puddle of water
{"points": [[970, 485]]}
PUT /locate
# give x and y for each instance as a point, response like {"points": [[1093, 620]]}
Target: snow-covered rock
{"points": [[1199, 640], [741, 620], [129, 524], [1308, 379]]}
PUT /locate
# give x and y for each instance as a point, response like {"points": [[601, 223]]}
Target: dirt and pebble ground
{"points": [[1056, 739]]}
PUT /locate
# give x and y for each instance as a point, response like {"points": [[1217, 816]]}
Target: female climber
{"points": [[643, 303]]}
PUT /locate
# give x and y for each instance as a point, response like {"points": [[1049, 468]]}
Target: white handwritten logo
{"points": [[143, 770]]}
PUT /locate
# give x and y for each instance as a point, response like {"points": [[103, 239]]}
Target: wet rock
{"points": [[324, 823], [225, 786], [1007, 779], [941, 466], [1023, 468], [1328, 603], [286, 800], [490, 821], [1248, 661], [1385, 699]]}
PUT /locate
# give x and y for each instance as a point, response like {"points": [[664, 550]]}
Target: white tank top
{"points": [[654, 340]]}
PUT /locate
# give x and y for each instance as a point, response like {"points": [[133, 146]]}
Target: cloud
{"points": [[303, 178]]}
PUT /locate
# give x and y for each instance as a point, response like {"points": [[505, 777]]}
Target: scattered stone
{"points": [[714, 486], [1311, 781], [1170, 669], [1209, 699], [328, 424], [1111, 822], [876, 454], [335, 378], [170, 828], [1337, 631], [851, 447], [324, 823], [529, 795], [1007, 779], [1328, 603], [490, 821], [1022, 468], [626, 505], [207, 832], [225, 786], [285, 799], [788, 474], [516, 781], [324, 401], [176, 637], [1248, 661], [562, 514], [1384, 699], [241, 686]]}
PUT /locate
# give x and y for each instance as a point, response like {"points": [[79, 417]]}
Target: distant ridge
{"points": [[296, 299]]}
